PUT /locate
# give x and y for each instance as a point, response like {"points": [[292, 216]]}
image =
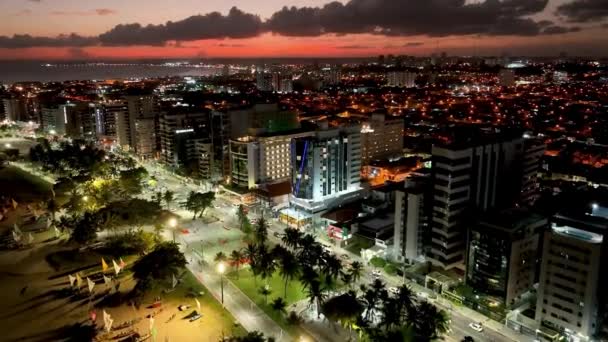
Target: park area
{"points": [[246, 282], [40, 304]]}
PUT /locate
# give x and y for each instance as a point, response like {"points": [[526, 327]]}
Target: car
{"points": [[195, 317], [345, 256], [376, 274], [476, 326], [393, 290], [277, 234]]}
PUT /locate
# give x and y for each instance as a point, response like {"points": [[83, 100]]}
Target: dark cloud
{"points": [[26, 41], [411, 17], [434, 18], [105, 11], [560, 29], [584, 10], [237, 24], [353, 47], [98, 11], [233, 45]]}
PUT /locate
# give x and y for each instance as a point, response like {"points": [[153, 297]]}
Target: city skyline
{"points": [[63, 30]]}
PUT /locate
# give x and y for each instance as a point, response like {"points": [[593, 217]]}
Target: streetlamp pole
{"points": [[222, 286], [221, 268], [173, 225]]}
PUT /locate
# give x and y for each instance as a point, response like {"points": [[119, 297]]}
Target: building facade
{"points": [[571, 294], [381, 137], [404, 79], [326, 168], [502, 253], [475, 176], [263, 159], [412, 214]]}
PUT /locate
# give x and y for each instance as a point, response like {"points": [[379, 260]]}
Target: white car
{"points": [[376, 274], [476, 326], [393, 290]]}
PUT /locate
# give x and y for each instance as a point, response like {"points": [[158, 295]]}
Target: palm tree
{"points": [[331, 266], [220, 257], [251, 253], [308, 276], [261, 231], [346, 278], [279, 305], [168, 197], [241, 215], [467, 339], [267, 265], [265, 291], [344, 308], [356, 270], [429, 322], [390, 313], [292, 237], [316, 295], [369, 301], [236, 258], [406, 304], [288, 268]]}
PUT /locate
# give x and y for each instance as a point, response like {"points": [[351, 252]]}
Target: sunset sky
{"points": [[122, 29]]}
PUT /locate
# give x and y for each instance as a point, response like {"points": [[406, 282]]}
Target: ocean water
{"points": [[11, 72]]}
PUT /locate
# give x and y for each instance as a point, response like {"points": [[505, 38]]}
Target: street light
{"points": [[173, 224], [221, 268]]}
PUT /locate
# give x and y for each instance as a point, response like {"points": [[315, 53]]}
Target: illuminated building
{"points": [[502, 253], [63, 119], [412, 213], [326, 169], [262, 159], [381, 137], [571, 293], [475, 175], [402, 79]]}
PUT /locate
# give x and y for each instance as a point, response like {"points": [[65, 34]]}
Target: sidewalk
{"points": [[238, 304]]}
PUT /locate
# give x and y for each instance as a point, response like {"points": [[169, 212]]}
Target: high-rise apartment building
{"points": [[326, 168], [404, 79], [534, 150], [179, 132], [282, 83], [502, 253], [571, 295], [139, 107], [15, 109], [263, 80], [106, 114], [261, 118], [145, 137], [197, 139], [479, 174], [506, 77], [63, 119], [381, 137], [412, 213], [262, 159]]}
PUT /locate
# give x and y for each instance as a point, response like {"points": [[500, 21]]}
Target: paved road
{"points": [[461, 317]]}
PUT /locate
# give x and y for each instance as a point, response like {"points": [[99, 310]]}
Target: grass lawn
{"points": [[357, 244], [22, 185], [215, 317], [246, 283]]}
